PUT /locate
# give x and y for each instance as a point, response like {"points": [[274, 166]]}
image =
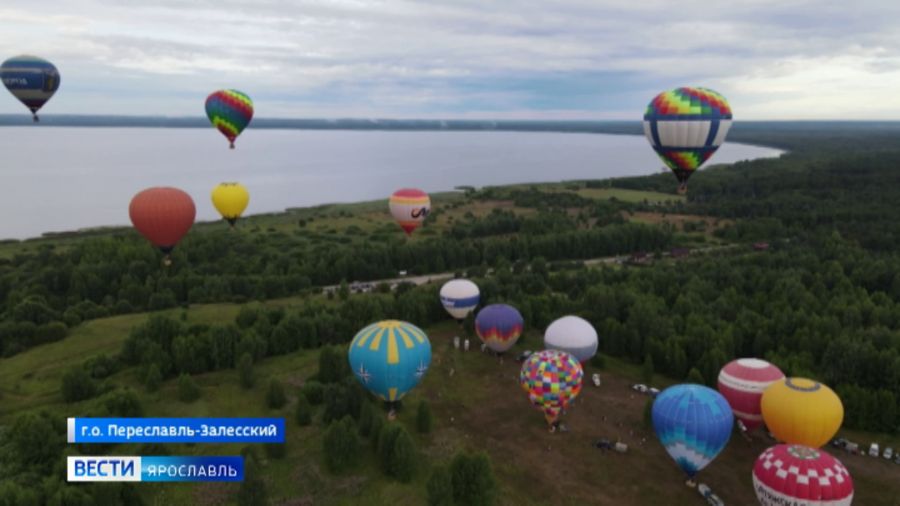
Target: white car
{"points": [[888, 453], [596, 379], [653, 391], [639, 388]]}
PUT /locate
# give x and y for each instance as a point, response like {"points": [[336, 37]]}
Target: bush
{"points": [[304, 412], [402, 458], [648, 414], [245, 371], [53, 331], [275, 397], [647, 370], [152, 378], [123, 403], [188, 391], [77, 385], [333, 365], [340, 445], [276, 450], [694, 376], [472, 479], [314, 392], [366, 415], [423, 417], [440, 487], [101, 366], [375, 430], [252, 491]]}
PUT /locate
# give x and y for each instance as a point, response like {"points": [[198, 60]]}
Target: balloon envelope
{"points": [[499, 326], [163, 215], [390, 357], [693, 423], [573, 335], [230, 199], [552, 379], [802, 411], [230, 111], [459, 297], [30, 79], [685, 126], [742, 383], [409, 207], [799, 475]]}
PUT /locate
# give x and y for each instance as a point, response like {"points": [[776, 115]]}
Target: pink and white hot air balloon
{"points": [[742, 383], [801, 476]]}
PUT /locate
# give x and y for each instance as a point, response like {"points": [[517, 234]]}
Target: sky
{"points": [[479, 59]]}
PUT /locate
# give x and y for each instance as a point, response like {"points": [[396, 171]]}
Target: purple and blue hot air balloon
{"points": [[693, 423], [30, 79], [499, 326]]}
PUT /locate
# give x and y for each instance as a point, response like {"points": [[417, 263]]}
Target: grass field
{"points": [[480, 406]]}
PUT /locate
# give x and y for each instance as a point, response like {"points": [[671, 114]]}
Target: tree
{"points": [[275, 397], [123, 403], [694, 376], [647, 370], [648, 414], [252, 491], [332, 365], [314, 392], [423, 417], [245, 371], [473, 479], [152, 378], [188, 391], [303, 413], [33, 444], [340, 445], [366, 416], [77, 385], [440, 487], [343, 290], [402, 459]]}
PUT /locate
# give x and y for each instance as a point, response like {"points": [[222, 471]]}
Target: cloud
{"points": [[511, 58]]}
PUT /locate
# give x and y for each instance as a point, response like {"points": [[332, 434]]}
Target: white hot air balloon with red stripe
{"points": [[801, 476], [742, 383]]}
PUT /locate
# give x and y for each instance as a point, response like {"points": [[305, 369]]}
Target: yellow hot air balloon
{"points": [[230, 199], [802, 411]]}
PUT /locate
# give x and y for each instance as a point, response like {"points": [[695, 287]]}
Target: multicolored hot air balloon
{"points": [[30, 79], [686, 126], [410, 207], [460, 297], [230, 199], [163, 215], [573, 335], [499, 326], [390, 357], [801, 476], [693, 423], [802, 411], [230, 111], [742, 383], [552, 380]]}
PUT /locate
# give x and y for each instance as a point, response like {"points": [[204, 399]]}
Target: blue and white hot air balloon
{"points": [[573, 335], [693, 423], [390, 358], [460, 297], [30, 79]]}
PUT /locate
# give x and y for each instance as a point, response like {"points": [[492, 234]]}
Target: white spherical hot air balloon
{"points": [[573, 335], [460, 297]]}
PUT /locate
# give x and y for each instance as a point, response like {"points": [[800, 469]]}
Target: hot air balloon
{"points": [[230, 111], [459, 297], [409, 206], [390, 357], [693, 423], [801, 476], [552, 379], [230, 199], [499, 326], [163, 215], [573, 335], [30, 79], [802, 411], [742, 383], [686, 126]]}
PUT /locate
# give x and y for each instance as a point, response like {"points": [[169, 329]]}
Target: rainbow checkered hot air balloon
{"points": [[693, 423], [390, 357], [552, 380], [686, 126], [230, 111], [409, 207], [30, 79]]}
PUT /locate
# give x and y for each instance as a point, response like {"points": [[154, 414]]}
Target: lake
{"points": [[66, 178]]}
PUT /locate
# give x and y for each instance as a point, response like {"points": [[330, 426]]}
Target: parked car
{"points": [[523, 356], [639, 388], [596, 379], [888, 453], [873, 450], [851, 447], [653, 391], [838, 442], [703, 489], [603, 444], [713, 500], [897, 460]]}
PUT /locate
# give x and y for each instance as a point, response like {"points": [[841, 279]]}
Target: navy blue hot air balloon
{"points": [[693, 423], [30, 79], [499, 326]]}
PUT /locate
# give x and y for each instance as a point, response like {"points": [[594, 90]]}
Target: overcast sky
{"points": [[503, 59]]}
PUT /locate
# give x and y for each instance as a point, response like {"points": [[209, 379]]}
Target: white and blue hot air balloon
{"points": [[460, 297], [573, 335]]}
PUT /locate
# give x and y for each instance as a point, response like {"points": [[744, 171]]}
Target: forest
{"points": [[822, 302]]}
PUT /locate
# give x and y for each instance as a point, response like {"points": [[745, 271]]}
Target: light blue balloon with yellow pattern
{"points": [[390, 358]]}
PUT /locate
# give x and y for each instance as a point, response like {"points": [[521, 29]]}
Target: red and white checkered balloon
{"points": [[801, 476]]}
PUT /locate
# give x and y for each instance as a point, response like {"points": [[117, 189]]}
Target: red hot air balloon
{"points": [[163, 215], [795, 474], [742, 383]]}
